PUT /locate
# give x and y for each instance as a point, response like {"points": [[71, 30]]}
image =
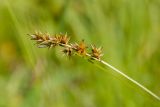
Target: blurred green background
{"points": [[128, 31]]}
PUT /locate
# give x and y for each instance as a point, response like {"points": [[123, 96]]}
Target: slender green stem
{"points": [[130, 79]]}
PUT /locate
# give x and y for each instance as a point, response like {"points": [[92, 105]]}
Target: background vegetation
{"points": [[128, 30]]}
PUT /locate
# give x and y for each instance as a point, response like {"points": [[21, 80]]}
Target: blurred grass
{"points": [[129, 32]]}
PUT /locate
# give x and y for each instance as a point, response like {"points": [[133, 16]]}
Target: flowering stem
{"points": [[44, 40]]}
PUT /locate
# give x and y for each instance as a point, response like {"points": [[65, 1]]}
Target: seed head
{"points": [[80, 48], [62, 39], [44, 40], [96, 52]]}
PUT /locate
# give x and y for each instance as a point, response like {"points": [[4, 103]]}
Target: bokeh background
{"points": [[128, 31]]}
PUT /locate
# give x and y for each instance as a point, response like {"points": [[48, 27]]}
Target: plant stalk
{"points": [[130, 79]]}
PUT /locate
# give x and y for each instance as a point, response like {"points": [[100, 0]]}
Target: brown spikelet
{"points": [[35, 36], [80, 48], [62, 39], [96, 52]]}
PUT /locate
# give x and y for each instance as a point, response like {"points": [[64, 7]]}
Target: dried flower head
{"points": [[96, 52], [80, 48], [44, 41], [62, 39], [37, 36]]}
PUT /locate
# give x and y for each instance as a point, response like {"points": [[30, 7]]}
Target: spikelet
{"points": [[63, 39], [80, 48], [96, 52]]}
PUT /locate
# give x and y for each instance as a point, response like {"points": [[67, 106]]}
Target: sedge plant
{"points": [[45, 40]]}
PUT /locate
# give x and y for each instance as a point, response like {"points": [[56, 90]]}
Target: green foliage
{"points": [[127, 30]]}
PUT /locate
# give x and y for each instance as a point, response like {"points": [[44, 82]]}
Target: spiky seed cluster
{"points": [[62, 39], [47, 40], [80, 48], [96, 52]]}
